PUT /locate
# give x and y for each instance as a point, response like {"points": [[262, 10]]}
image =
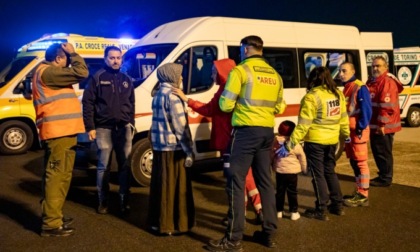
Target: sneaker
{"points": [[57, 232], [295, 216], [264, 239], [349, 196], [280, 215], [316, 214], [67, 221], [357, 200], [225, 244], [102, 208], [336, 210], [260, 218], [378, 182]]}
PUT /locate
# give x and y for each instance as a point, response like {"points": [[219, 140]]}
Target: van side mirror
{"points": [[27, 88]]}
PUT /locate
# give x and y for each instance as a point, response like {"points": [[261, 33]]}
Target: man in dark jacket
{"points": [[108, 114]]}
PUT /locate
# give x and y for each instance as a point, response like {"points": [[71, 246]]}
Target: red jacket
{"points": [[221, 121], [384, 92]]}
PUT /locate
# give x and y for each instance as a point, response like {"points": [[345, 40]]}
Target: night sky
{"points": [[22, 21]]}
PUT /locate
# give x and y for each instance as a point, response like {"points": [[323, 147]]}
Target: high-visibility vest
{"points": [[254, 91], [58, 111], [322, 118], [353, 110]]}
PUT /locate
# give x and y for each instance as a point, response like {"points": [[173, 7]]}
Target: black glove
{"points": [[359, 133]]}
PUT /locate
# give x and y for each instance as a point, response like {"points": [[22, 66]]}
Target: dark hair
{"points": [[321, 76], [254, 41], [53, 51], [111, 48], [286, 128]]}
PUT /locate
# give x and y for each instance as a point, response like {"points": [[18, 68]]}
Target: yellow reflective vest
{"points": [[254, 92], [322, 118]]}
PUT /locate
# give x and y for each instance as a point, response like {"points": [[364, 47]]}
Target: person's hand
{"points": [[381, 131], [67, 48], [92, 135], [189, 160], [180, 94], [359, 133]]}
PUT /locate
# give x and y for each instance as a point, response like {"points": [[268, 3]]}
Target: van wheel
{"points": [[413, 117], [16, 137], [141, 162]]}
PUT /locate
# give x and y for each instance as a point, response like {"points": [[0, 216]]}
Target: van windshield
{"points": [[140, 62], [13, 69]]}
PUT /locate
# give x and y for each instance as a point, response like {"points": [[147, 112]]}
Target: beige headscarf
{"points": [[170, 73]]}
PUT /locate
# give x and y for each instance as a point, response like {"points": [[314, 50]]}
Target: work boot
{"points": [[316, 214], [103, 207], [379, 182], [265, 239], [337, 210], [124, 206], [357, 200]]}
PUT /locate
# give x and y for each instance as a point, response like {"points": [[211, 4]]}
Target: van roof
{"points": [[232, 30], [84, 45]]}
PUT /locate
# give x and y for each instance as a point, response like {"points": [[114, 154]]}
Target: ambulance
{"points": [[18, 131], [292, 48], [407, 70]]}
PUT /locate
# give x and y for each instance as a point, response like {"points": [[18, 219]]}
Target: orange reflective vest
{"points": [[58, 111]]}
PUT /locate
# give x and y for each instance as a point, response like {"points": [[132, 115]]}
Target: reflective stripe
{"points": [[386, 126], [58, 117], [304, 121], [44, 100], [250, 82], [352, 106], [383, 119], [387, 105], [326, 121], [256, 103], [229, 95]]}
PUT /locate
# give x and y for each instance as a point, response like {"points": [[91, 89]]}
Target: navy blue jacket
{"points": [[108, 100]]}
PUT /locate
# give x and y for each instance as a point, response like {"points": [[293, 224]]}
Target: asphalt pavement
{"points": [[390, 223]]}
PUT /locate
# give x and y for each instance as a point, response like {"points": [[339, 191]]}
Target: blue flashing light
{"points": [[44, 44]]}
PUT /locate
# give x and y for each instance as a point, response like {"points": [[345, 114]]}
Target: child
{"points": [[287, 165]]}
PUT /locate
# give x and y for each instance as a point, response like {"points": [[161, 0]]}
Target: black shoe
{"points": [[337, 210], [102, 208], [260, 218], [264, 239], [67, 221], [124, 206], [316, 214], [225, 244], [57, 232], [378, 182]]}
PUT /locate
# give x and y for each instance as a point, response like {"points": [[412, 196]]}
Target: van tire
{"points": [[16, 137], [413, 117], [141, 162]]}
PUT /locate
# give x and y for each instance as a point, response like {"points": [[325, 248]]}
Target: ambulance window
{"points": [[330, 59], [93, 66], [197, 65], [283, 60], [13, 69]]}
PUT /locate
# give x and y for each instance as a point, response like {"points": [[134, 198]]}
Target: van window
{"points": [[93, 66], [197, 65], [13, 69], [327, 58], [141, 61]]}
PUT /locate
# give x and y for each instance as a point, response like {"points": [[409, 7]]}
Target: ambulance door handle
{"points": [[13, 100]]}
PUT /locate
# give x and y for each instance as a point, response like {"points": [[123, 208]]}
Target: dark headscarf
{"points": [[170, 73]]}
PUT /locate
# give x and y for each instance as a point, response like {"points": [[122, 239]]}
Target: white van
{"points": [[17, 114], [292, 48]]}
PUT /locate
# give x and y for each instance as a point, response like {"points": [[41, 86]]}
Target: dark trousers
{"points": [[321, 163], [286, 183], [382, 153], [251, 147]]}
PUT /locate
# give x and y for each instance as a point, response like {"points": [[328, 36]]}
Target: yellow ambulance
{"points": [[17, 115]]}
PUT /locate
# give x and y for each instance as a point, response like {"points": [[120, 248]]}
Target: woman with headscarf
{"points": [[171, 204]]}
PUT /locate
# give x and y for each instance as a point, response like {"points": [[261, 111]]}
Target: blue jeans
{"points": [[120, 140]]}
